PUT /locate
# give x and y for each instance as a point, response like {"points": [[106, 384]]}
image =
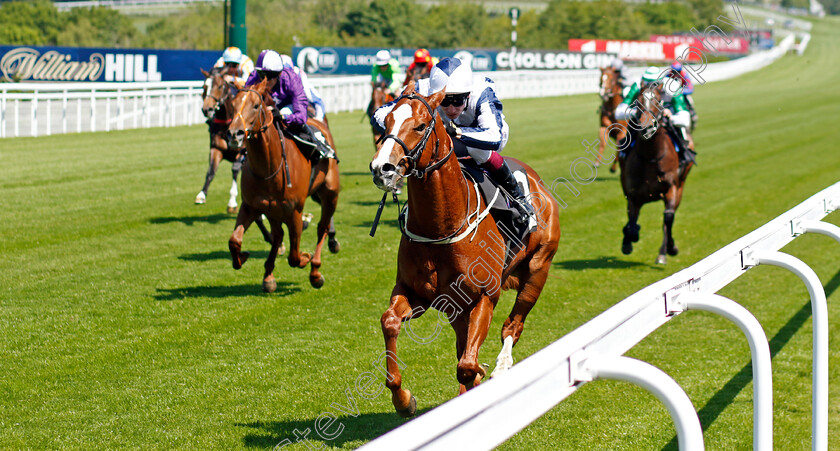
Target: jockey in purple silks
{"points": [[289, 99]]}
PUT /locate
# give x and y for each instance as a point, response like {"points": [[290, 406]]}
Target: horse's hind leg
{"points": [[400, 309], [328, 196], [215, 158], [244, 219]]}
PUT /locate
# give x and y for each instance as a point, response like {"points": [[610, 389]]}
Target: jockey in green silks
{"points": [[673, 103]]}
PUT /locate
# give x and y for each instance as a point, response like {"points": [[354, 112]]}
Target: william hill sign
{"points": [[76, 64]]}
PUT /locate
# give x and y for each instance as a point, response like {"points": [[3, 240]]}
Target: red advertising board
{"points": [[637, 50], [713, 43]]}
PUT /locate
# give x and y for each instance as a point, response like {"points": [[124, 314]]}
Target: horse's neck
{"points": [[657, 146], [264, 151], [437, 203]]}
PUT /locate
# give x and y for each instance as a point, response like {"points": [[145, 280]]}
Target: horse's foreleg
{"points": [[631, 229], [244, 219], [668, 245], [400, 310], [296, 258], [601, 144], [269, 284], [234, 191], [470, 372], [215, 158]]}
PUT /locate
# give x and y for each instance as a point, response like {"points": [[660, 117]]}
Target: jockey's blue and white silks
{"points": [[482, 123]]}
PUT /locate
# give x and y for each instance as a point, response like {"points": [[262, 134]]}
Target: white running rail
{"points": [[481, 419], [35, 109]]}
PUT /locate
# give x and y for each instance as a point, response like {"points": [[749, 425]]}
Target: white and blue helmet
{"points": [[271, 62], [232, 55], [452, 74]]}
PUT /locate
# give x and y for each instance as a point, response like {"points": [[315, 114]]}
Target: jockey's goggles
{"points": [[267, 74], [231, 64], [454, 99]]}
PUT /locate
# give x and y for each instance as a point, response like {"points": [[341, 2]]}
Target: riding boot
{"points": [[686, 154], [505, 179], [323, 150]]}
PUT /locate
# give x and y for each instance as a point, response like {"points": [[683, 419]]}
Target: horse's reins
{"points": [[252, 133]]}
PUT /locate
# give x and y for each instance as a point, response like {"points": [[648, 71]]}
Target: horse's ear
{"points": [[205, 73], [435, 99], [409, 88]]}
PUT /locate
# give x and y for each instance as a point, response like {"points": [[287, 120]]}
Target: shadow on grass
{"points": [[250, 289], [364, 427], [225, 255], [192, 220], [726, 395], [602, 262]]}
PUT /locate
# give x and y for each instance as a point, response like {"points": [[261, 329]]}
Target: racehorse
{"points": [[378, 98], [610, 92], [435, 266], [214, 95], [651, 171], [276, 182]]}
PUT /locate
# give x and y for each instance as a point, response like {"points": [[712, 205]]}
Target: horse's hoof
{"points": [[269, 286], [306, 218], [626, 248], [200, 199], [660, 260], [333, 245], [317, 282], [612, 169], [672, 251], [409, 411], [282, 249], [231, 210]]}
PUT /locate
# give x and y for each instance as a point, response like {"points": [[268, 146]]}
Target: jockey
{"points": [[688, 87], [289, 99], [385, 71], [618, 66], [420, 67], [473, 118], [674, 105], [312, 95], [235, 63]]}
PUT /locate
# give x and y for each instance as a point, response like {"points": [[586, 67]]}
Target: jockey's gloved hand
{"points": [[451, 129], [277, 115]]}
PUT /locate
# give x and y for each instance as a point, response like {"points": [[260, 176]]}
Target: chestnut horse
{"points": [[276, 182], [460, 277], [611, 97], [651, 171], [214, 95]]}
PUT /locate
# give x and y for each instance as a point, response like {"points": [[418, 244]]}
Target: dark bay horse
{"points": [[651, 171], [462, 264], [611, 97], [214, 97], [276, 180], [378, 97]]}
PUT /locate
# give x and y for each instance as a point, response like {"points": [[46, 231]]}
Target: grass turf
{"points": [[122, 324]]}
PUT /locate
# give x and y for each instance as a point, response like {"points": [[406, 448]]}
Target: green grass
{"points": [[122, 324]]}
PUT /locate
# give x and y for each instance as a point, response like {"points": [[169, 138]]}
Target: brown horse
{"points": [[611, 97], [276, 182], [214, 96], [651, 171], [460, 277]]}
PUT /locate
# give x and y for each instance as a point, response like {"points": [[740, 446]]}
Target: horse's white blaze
{"points": [[505, 359], [208, 83], [400, 115]]}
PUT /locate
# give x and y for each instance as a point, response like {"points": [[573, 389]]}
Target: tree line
{"points": [[281, 24]]}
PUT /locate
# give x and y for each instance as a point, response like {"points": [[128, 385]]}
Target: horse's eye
{"points": [[256, 106], [420, 127]]}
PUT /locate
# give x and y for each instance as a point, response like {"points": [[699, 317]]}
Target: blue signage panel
{"points": [[103, 64], [359, 60]]}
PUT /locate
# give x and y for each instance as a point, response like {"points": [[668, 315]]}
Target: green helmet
{"points": [[650, 75]]}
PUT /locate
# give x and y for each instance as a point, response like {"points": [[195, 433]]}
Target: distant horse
{"points": [[214, 96], [435, 267], [378, 98], [611, 97], [651, 171], [276, 182]]}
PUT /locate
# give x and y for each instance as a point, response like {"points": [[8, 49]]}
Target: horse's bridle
{"points": [[648, 132], [412, 156], [250, 131]]}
